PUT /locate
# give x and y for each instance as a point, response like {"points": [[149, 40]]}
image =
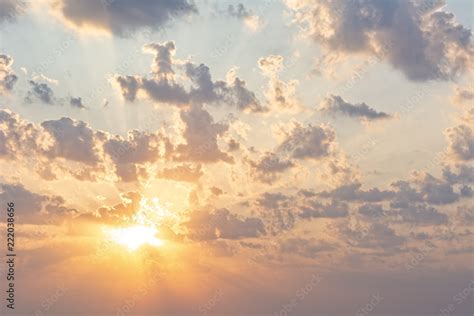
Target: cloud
{"points": [[465, 214], [7, 76], [122, 17], [464, 174], [278, 212], [76, 103], [372, 211], [10, 9], [35, 208], [423, 43], [251, 20], [221, 224], [435, 191], [423, 215], [40, 91], [315, 209], [184, 172], [280, 95], [117, 214], [268, 168], [201, 134], [460, 142], [73, 140], [129, 153], [309, 142], [336, 105], [376, 235], [164, 88], [353, 192], [462, 95]]}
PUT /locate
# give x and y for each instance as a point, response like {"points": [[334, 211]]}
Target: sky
{"points": [[271, 157]]}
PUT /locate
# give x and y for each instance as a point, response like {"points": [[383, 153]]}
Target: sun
{"points": [[134, 237]]}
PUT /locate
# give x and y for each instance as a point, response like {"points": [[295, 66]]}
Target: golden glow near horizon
{"points": [[134, 237]]}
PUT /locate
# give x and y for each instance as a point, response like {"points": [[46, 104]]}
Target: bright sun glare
{"points": [[141, 231], [135, 236]]}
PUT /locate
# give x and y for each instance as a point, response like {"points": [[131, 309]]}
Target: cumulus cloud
{"points": [[424, 44], [309, 142], [122, 17], [35, 208], [7, 76], [163, 87], [280, 95], [54, 144], [460, 142], [201, 134], [129, 153], [464, 174], [73, 140], [222, 224], [336, 105], [40, 91], [268, 168]]}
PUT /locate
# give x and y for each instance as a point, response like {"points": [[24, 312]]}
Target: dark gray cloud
{"points": [[123, 17], [424, 44], [336, 105], [40, 91], [7, 76], [76, 103], [221, 224]]}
